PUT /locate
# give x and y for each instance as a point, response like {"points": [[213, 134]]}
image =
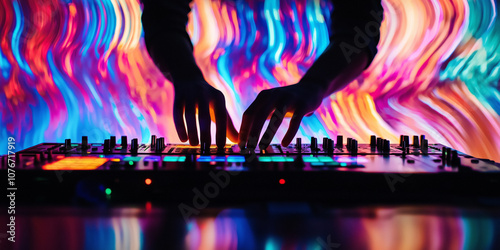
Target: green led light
{"points": [[130, 163], [277, 158], [310, 159], [334, 163], [325, 159], [317, 163], [108, 191], [343, 164], [265, 159], [174, 158], [132, 158], [101, 156], [170, 158], [289, 159]]}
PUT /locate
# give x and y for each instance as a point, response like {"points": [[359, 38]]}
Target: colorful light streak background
{"points": [[73, 68]]}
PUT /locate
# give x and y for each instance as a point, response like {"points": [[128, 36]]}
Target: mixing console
{"points": [[416, 171]]}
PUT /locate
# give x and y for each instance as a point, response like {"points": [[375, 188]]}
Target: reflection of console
{"points": [[374, 172]]}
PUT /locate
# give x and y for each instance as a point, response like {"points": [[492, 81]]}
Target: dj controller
{"points": [[330, 170]]}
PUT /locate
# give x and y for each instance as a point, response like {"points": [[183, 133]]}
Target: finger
{"points": [[274, 124], [232, 133], [190, 114], [220, 119], [179, 119], [292, 129], [257, 125], [248, 119], [204, 121]]}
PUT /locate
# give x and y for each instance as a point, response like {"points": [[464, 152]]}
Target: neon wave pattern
{"points": [[73, 68]]}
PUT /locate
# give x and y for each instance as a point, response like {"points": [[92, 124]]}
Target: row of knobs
{"points": [[108, 144], [378, 143], [404, 142], [329, 145]]}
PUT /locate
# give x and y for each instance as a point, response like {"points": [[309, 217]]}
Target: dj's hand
{"points": [[200, 98], [299, 100]]}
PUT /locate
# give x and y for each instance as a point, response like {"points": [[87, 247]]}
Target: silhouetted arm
{"points": [[355, 35], [169, 45]]}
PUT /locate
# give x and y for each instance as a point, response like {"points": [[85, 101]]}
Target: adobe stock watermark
{"points": [[393, 178], [362, 38], [328, 244]]}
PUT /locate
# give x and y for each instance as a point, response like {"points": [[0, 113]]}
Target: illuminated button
{"points": [[235, 158], [76, 163], [343, 164], [148, 181], [265, 159], [220, 159], [277, 159], [310, 159], [315, 164], [174, 158], [204, 159], [325, 159]]}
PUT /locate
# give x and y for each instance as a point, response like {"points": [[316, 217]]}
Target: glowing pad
{"points": [[76, 163], [174, 158], [235, 158], [275, 159], [204, 158]]}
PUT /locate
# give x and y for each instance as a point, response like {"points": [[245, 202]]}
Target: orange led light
{"points": [[148, 181], [76, 163]]}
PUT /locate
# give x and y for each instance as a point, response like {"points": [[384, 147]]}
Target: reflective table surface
{"points": [[255, 226]]}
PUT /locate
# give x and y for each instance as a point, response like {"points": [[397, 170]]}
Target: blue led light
{"points": [[235, 158]]}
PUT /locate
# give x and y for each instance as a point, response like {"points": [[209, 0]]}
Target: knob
{"points": [[348, 146], [85, 143], [330, 146], [454, 158], [443, 155], [416, 143], [425, 145], [67, 144], [112, 142], [340, 141], [448, 155], [422, 138], [379, 144], [153, 141], [298, 144], [325, 144], [162, 143], [407, 140], [106, 146], [373, 141], [124, 142], [387, 146], [134, 147], [401, 140], [314, 144], [354, 147]]}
